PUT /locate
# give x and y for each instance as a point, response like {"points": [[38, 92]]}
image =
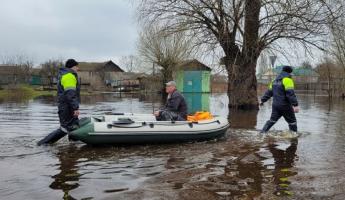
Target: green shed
{"points": [[36, 77], [197, 102], [35, 80], [193, 76]]}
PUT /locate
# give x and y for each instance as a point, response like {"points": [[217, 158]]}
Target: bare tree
{"points": [[163, 50], [22, 67], [328, 72], [338, 42], [306, 64], [130, 62], [338, 48], [243, 29], [50, 70], [26, 67]]}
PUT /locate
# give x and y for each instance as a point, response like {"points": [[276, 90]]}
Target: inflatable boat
{"points": [[127, 128]]}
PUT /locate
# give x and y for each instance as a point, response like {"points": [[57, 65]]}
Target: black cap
{"points": [[71, 63], [287, 69]]}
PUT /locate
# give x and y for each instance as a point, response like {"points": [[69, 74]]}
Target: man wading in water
{"points": [[284, 100], [68, 91], [68, 96]]}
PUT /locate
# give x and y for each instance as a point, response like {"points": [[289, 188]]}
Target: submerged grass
{"points": [[23, 92]]}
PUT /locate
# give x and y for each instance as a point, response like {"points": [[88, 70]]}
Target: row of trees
{"points": [[50, 70], [240, 30], [23, 67], [332, 67]]}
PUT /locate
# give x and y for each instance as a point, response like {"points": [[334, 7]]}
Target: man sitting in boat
{"points": [[175, 108]]}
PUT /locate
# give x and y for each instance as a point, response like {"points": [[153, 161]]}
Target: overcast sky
{"points": [[87, 30]]}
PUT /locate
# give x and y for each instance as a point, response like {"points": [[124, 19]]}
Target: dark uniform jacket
{"points": [[68, 97], [68, 88], [282, 90], [177, 104]]}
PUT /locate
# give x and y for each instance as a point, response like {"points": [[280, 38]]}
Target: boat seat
{"points": [[121, 121]]}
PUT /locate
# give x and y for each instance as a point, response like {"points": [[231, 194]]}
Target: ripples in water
{"points": [[244, 165]]}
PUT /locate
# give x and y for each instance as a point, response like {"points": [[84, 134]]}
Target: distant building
{"points": [[150, 83], [127, 82], [300, 75], [36, 77], [11, 74], [97, 74], [305, 75], [192, 76]]}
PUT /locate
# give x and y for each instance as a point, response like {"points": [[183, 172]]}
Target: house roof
{"points": [[193, 65], [302, 71], [95, 66], [132, 75]]}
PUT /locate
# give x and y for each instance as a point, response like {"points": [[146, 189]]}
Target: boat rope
{"points": [[162, 123]]}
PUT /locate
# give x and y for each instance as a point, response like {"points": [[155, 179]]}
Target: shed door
{"points": [[192, 81]]}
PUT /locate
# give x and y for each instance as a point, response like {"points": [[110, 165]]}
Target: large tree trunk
{"points": [[243, 119], [242, 80], [242, 87]]}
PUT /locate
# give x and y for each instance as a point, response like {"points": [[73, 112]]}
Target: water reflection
{"points": [[250, 174], [86, 172], [68, 177], [283, 165], [245, 119], [241, 166]]}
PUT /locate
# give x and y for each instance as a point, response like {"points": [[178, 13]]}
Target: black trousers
{"points": [[166, 115], [66, 117], [282, 111]]}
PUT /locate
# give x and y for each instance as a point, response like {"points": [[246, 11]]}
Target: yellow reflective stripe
{"points": [[288, 83], [70, 88], [270, 86], [68, 81]]}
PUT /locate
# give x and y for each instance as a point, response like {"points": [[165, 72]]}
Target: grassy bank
{"points": [[23, 92]]}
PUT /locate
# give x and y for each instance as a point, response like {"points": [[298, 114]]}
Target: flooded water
{"points": [[242, 165]]}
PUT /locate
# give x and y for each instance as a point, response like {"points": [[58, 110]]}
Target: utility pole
{"points": [[153, 68], [273, 60]]}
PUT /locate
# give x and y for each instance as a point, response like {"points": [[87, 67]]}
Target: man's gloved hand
{"points": [[156, 113], [76, 113]]}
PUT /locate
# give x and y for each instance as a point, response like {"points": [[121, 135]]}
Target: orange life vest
{"points": [[200, 115]]}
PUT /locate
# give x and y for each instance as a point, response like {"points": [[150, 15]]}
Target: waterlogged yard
{"points": [[243, 165]]}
